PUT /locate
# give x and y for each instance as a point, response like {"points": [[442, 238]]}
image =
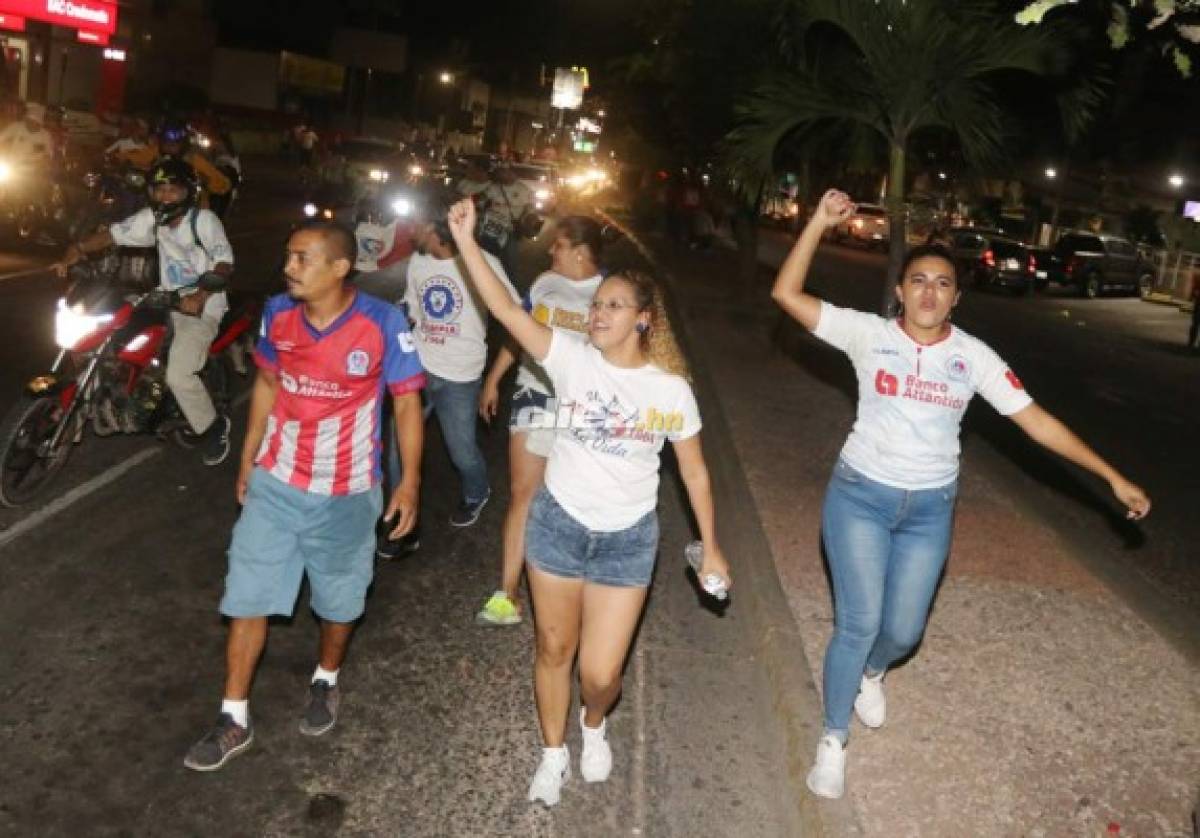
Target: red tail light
{"points": [[989, 258], [1032, 263]]}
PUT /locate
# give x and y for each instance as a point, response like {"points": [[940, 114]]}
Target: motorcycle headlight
{"points": [[5, 171], [415, 170], [72, 324], [310, 210]]}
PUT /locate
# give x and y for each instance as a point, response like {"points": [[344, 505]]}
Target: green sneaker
{"points": [[498, 611]]}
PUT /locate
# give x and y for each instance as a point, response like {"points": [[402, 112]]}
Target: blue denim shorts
{"points": [[285, 532], [526, 407], [557, 544]]}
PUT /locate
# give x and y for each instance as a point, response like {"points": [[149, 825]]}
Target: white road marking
{"points": [[27, 272], [86, 488], [77, 494]]}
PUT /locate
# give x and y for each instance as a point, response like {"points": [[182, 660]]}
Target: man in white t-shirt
{"points": [[507, 201], [474, 181], [134, 135], [450, 328], [27, 140], [192, 247]]}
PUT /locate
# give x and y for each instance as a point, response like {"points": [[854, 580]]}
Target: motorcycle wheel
{"points": [[104, 419], [23, 471]]}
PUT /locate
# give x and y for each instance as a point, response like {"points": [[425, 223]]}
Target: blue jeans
{"points": [[886, 549], [456, 404]]}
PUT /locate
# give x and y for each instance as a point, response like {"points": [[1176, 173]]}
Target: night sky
{"points": [[502, 35]]}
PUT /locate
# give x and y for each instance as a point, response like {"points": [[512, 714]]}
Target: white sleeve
{"points": [[566, 349], [997, 383], [138, 230], [840, 327], [212, 236], [687, 408]]}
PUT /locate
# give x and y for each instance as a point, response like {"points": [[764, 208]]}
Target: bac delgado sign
{"points": [[93, 15]]}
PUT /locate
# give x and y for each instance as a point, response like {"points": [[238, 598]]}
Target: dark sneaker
{"points": [[322, 708], [387, 550], [215, 441], [468, 512], [226, 740]]}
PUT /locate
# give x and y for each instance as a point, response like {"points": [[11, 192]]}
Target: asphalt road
{"points": [[113, 647]]}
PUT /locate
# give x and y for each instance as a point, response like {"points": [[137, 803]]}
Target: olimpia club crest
{"points": [[441, 300]]}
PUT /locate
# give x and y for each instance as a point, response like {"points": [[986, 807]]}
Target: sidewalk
{"points": [[1038, 704]]}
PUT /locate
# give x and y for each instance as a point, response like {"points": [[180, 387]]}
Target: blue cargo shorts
{"points": [[285, 532]]}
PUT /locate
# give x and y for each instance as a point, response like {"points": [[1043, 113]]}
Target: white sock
{"points": [[325, 675], [238, 710]]}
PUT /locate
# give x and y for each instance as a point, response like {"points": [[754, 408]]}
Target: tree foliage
{"points": [[894, 71], [1172, 26]]}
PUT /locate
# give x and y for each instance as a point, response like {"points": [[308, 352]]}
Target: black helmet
{"points": [[173, 131], [171, 170]]}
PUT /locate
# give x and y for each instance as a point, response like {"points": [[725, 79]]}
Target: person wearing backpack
{"points": [[191, 242]]}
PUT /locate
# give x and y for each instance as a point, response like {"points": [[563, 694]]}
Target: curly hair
{"points": [[658, 342]]}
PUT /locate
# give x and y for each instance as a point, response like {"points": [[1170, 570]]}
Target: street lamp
{"points": [[446, 78], [1176, 180], [1051, 173]]}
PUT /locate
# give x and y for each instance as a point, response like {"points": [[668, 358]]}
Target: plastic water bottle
{"points": [[713, 584]]}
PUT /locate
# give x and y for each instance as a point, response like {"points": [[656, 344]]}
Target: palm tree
{"points": [[882, 73]]}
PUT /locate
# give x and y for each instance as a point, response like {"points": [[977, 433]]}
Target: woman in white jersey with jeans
{"points": [[889, 506], [592, 531], [559, 298]]}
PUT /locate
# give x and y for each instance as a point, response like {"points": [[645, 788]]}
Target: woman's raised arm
{"points": [[533, 337]]}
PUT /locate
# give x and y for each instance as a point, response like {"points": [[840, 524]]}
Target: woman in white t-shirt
{"points": [[889, 507], [559, 298], [592, 532]]}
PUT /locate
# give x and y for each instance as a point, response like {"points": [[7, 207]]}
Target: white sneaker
{"points": [[871, 705], [828, 775], [595, 763], [550, 776]]}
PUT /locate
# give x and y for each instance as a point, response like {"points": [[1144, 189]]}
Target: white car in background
{"points": [[868, 227], [542, 182]]}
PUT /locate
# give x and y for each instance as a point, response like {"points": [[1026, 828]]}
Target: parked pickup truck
{"points": [[1095, 262]]}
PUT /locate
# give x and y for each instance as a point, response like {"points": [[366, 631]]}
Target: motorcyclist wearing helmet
{"points": [[191, 247], [174, 140]]}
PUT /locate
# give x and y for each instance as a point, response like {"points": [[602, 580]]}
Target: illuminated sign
{"points": [[13, 22], [568, 88], [92, 15], [114, 54], [86, 36]]}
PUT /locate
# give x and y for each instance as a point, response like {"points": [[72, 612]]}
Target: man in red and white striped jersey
{"points": [[328, 356]]}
